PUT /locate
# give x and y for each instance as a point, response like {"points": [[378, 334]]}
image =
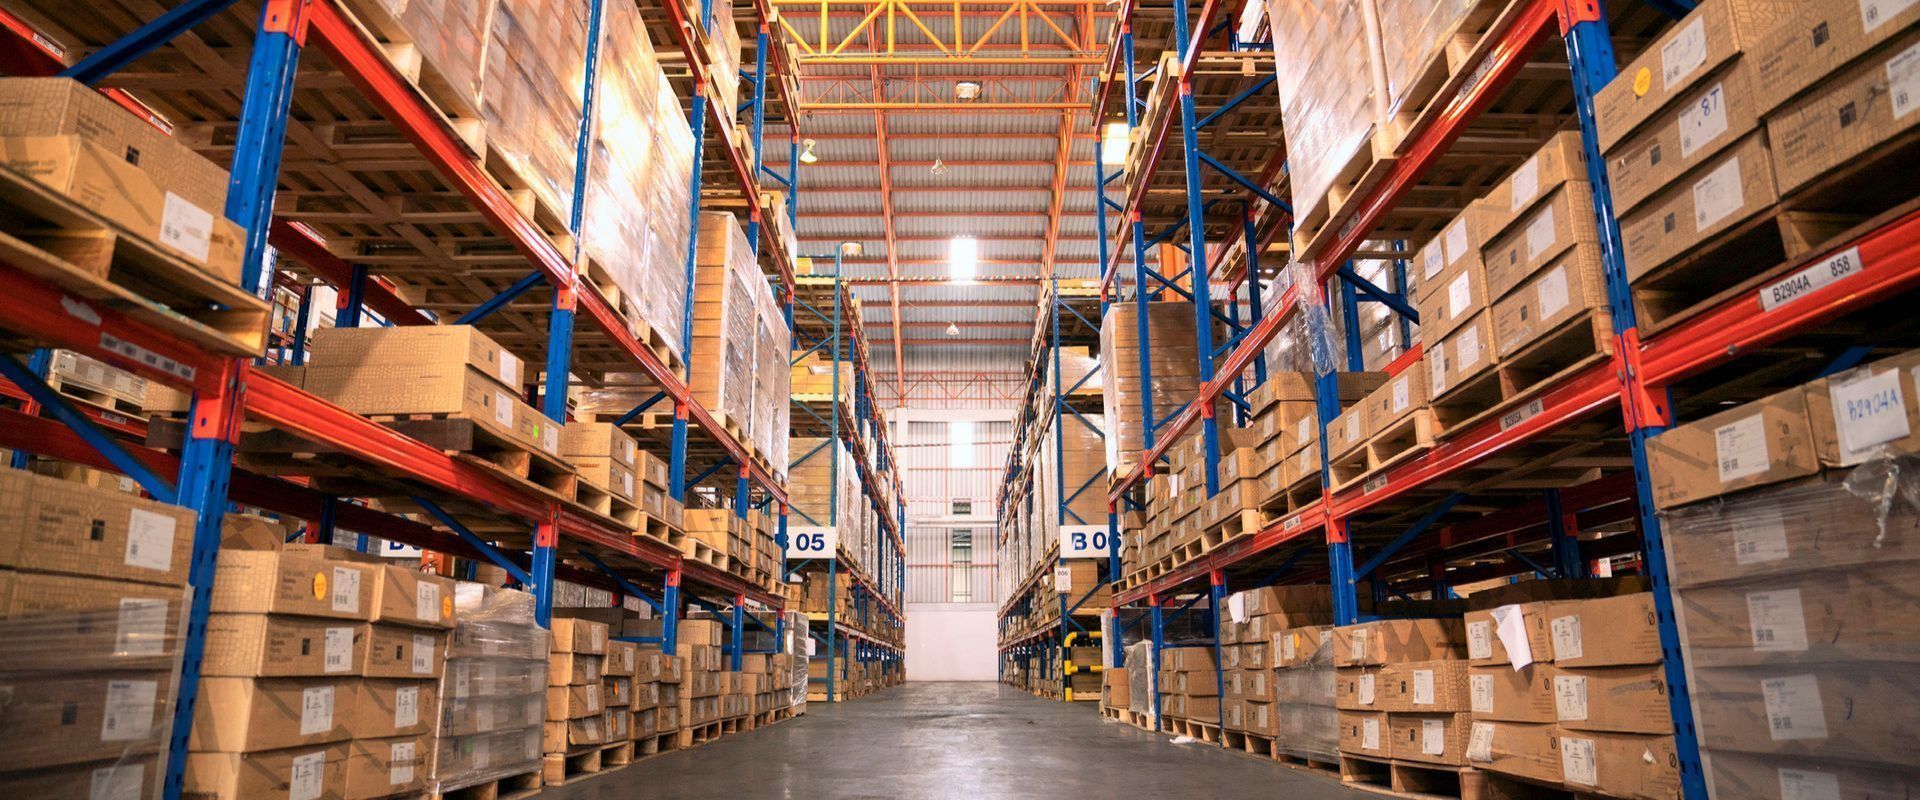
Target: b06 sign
{"points": [[812, 541], [1086, 541]]}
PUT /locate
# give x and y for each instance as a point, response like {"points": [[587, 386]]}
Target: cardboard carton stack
{"points": [[1247, 652], [77, 142], [1791, 554], [93, 604], [1541, 252], [606, 458], [617, 690], [1143, 685], [706, 679], [1189, 685], [576, 721], [1306, 721], [738, 332], [407, 644], [1116, 689], [281, 694], [1175, 373], [492, 696], [1400, 686], [442, 370], [671, 674], [536, 58], [643, 704]]}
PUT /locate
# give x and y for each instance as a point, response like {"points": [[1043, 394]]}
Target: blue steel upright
{"points": [[1197, 255]]}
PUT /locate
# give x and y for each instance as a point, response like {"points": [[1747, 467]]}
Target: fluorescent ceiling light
{"points": [[963, 259], [967, 90]]}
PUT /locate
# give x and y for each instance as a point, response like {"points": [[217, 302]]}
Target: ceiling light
{"points": [[953, 329], [806, 155], [963, 259], [967, 90], [851, 249], [1114, 144], [939, 167]]}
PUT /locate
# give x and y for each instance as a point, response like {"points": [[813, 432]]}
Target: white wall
{"points": [[951, 641]]}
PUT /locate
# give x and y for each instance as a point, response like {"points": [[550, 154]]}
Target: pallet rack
{"points": [[1068, 317], [826, 322], [560, 541], [1401, 515]]}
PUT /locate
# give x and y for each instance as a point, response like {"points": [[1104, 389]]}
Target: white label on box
{"points": [[346, 590], [1460, 295], [1526, 184], [338, 650], [1903, 81], [1370, 734], [1433, 736], [1703, 120], [400, 764], [1759, 538], [1718, 195], [1576, 761], [1363, 690], [1868, 411], [1286, 648], [1437, 369], [1466, 349], [1432, 261], [509, 369], [1686, 52], [306, 779], [1480, 639], [1423, 687], [122, 782], [1566, 638], [1357, 644], [1813, 278], [549, 437], [1353, 428], [127, 714], [1570, 697], [1806, 784], [423, 655], [1480, 742], [142, 627], [1456, 241], [1063, 579], [149, 540], [186, 227], [426, 601], [1740, 447], [316, 710], [1510, 625], [1874, 13], [1402, 396], [406, 707], [1778, 622], [1553, 292], [1542, 233], [503, 409], [483, 715], [1794, 709], [1480, 692], [626, 483]]}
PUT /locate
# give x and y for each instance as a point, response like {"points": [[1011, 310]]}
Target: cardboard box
{"points": [[1691, 52], [1715, 113], [1502, 693], [128, 778], [388, 707], [1564, 219], [1458, 292], [311, 580], [1620, 764], [574, 702], [1464, 355], [1726, 191], [1561, 292], [1424, 686], [405, 596], [1357, 689], [386, 767], [1766, 441], [74, 718], [1563, 158], [1348, 431], [402, 652], [1857, 614], [272, 646], [319, 773], [63, 106], [248, 715], [1817, 38], [1529, 751], [426, 387], [1397, 400], [102, 624], [412, 345], [1299, 645], [1772, 777], [622, 659], [1430, 738], [1397, 640], [50, 525], [582, 636], [1364, 733], [1616, 699], [1457, 248], [1847, 117], [1600, 632]]}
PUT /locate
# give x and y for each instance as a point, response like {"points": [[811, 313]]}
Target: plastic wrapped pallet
{"points": [[1175, 372], [613, 229], [1304, 343], [1329, 111], [726, 313], [450, 38], [492, 694], [1303, 692], [772, 381], [669, 221], [1421, 30], [1142, 680], [534, 91]]}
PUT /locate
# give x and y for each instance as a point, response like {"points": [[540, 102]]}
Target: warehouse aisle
{"points": [[964, 741]]}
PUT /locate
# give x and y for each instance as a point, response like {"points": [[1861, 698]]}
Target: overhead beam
{"points": [[942, 106], [886, 218]]}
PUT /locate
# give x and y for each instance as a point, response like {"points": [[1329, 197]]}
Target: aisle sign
{"points": [[1086, 541], [812, 541]]}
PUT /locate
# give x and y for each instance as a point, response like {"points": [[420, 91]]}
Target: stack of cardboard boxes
{"points": [[697, 647], [406, 658], [1306, 721], [1400, 685], [1247, 652], [492, 695], [576, 707], [619, 689], [1189, 686], [93, 607], [607, 459], [1174, 365]]}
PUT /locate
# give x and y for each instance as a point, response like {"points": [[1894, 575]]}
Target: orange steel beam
{"points": [[1007, 341], [943, 162], [961, 106], [963, 325], [966, 189], [886, 218], [982, 237], [943, 137], [913, 58], [810, 215]]}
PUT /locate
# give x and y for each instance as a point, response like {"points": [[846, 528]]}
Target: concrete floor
{"points": [[965, 741]]}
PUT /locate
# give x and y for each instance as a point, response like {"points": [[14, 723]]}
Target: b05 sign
{"points": [[811, 541], [1086, 541]]}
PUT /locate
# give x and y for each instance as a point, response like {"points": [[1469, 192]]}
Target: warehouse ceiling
{"points": [[905, 163]]}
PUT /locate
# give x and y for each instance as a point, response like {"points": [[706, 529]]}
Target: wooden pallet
{"points": [[605, 503], [1364, 169], [511, 787], [1404, 439], [696, 735], [95, 262], [560, 769], [1207, 732], [1412, 779], [479, 441], [1319, 764], [1436, 83], [618, 754], [84, 391], [454, 105], [1253, 744], [736, 725], [1516, 381]]}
